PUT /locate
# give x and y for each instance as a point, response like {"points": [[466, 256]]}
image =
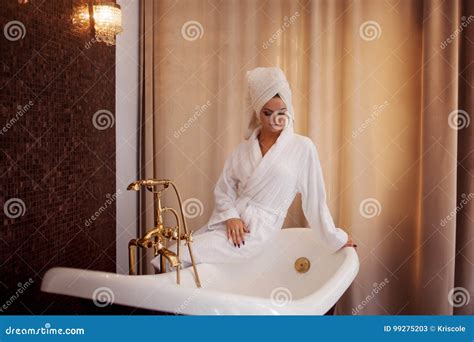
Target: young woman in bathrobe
{"points": [[259, 181]]}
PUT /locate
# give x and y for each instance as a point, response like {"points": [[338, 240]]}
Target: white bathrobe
{"points": [[259, 191]]}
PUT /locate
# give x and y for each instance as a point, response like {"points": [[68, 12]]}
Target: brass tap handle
{"points": [[188, 237], [170, 233]]}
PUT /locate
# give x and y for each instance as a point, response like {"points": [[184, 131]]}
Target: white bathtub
{"points": [[269, 285]]}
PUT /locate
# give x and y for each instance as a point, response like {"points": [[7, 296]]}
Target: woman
{"points": [[260, 180]]}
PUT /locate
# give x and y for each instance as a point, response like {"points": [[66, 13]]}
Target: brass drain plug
{"points": [[302, 265]]}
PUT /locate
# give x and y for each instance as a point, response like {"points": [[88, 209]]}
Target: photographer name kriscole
{"points": [[446, 328]]}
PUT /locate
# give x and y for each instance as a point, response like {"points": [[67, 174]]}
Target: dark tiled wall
{"points": [[57, 168]]}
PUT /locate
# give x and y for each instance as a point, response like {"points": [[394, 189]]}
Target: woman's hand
{"points": [[235, 230], [350, 243]]}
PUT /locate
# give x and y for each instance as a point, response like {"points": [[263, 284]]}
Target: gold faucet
{"points": [[157, 237]]}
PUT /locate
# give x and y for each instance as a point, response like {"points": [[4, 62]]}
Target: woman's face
{"points": [[276, 122]]}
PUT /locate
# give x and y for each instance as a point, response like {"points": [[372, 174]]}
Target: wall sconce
{"points": [[104, 19]]}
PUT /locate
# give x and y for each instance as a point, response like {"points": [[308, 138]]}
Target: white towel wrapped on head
{"points": [[263, 83]]}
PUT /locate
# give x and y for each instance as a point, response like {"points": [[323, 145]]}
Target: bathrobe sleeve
{"points": [[313, 194], [225, 194]]}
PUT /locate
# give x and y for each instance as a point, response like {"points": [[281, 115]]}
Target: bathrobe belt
{"points": [[244, 201]]}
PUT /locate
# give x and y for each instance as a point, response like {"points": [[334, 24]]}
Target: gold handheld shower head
{"points": [[134, 186], [148, 183]]}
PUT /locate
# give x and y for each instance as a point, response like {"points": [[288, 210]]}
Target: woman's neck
{"points": [[267, 136]]}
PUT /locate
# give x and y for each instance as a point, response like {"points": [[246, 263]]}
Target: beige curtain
{"points": [[385, 91]]}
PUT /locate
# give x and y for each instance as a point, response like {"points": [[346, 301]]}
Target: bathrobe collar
{"points": [[272, 156]]}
